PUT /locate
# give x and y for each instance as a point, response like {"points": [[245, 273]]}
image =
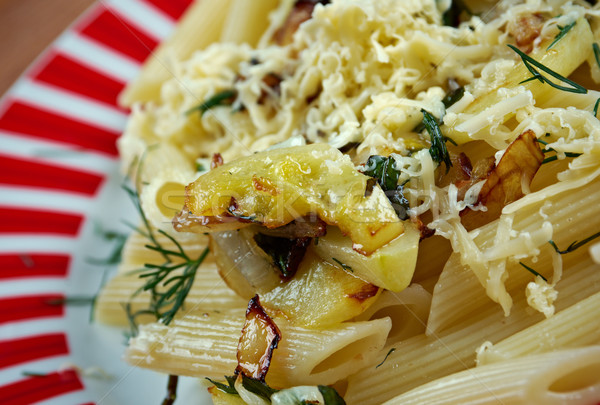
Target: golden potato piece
{"points": [[275, 187]]}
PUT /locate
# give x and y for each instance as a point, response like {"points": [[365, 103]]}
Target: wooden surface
{"points": [[27, 27]]}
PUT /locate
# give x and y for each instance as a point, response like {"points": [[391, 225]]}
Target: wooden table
{"points": [[29, 26]]}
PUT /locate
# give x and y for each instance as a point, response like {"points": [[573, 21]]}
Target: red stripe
{"points": [[17, 220], [30, 307], [33, 265], [15, 171], [68, 74], [19, 351], [35, 389], [30, 121], [116, 33], [173, 8]]}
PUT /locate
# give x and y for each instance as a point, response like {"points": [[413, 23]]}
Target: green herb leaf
{"points": [[438, 151], [596, 108], [452, 97], [164, 302], [384, 172], [392, 350], [286, 253], [225, 97], [331, 396], [562, 31], [33, 374], [575, 245], [532, 271], [531, 65], [596, 49], [344, 266], [257, 387], [383, 169], [228, 389]]}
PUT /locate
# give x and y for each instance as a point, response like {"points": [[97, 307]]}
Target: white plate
{"points": [[59, 181]]}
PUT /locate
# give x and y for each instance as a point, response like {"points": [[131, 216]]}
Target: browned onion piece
{"points": [[301, 12], [260, 336], [299, 228], [505, 183]]}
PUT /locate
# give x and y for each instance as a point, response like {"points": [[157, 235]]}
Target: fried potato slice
{"points": [[275, 187]]}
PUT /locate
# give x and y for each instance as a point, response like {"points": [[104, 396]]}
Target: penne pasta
{"points": [[205, 345], [569, 376]]}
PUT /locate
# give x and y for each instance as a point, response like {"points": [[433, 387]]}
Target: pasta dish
{"points": [[367, 202]]}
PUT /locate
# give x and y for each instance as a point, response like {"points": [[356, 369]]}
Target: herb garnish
{"points": [[383, 171], [33, 374], [555, 157], [344, 266], [254, 386], [330, 395], [532, 271], [596, 49], [438, 151], [286, 253], [453, 96], [115, 256], [228, 388], [596, 108], [226, 97], [575, 245], [562, 31], [531, 65], [168, 290], [392, 350]]}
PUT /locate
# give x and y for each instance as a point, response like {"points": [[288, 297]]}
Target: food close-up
{"points": [[362, 202]]}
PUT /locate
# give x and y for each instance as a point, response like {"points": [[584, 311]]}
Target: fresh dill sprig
{"points": [[531, 65], [532, 271], [170, 282], [343, 265], [575, 245], [596, 108], [114, 257], [562, 31], [438, 151], [225, 97]]}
